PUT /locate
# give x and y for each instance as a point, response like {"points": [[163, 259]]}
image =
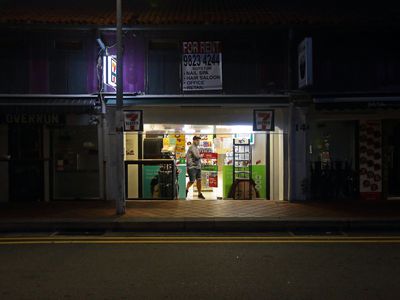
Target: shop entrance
{"points": [[75, 163], [333, 156], [392, 154], [222, 165], [26, 164]]}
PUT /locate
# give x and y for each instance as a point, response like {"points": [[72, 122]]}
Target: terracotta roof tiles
{"points": [[157, 12]]}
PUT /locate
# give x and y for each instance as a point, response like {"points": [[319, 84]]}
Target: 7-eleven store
{"points": [[169, 124]]}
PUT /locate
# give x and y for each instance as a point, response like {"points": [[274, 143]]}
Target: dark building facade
{"points": [[333, 139]]}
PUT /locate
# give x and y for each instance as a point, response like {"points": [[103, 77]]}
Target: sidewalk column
{"points": [[297, 152], [119, 120]]}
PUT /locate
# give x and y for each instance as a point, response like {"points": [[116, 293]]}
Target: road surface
{"points": [[199, 267]]}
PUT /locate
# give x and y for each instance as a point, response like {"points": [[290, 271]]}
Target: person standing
{"points": [[193, 165]]}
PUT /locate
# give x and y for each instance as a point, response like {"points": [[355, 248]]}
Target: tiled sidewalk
{"points": [[199, 209], [260, 209]]}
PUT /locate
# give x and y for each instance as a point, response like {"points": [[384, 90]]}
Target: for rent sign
{"points": [[201, 66]]}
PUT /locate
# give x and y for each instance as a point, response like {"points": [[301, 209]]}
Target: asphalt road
{"points": [[225, 267]]}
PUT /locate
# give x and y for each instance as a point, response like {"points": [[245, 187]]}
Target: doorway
{"points": [[26, 171], [391, 144]]}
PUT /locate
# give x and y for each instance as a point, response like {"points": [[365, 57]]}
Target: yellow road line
{"points": [[202, 241], [116, 238]]}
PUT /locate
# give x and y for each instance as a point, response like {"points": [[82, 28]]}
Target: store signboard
{"points": [[370, 150], [305, 63], [110, 70], [32, 118], [249, 136], [180, 148], [241, 141], [201, 65], [133, 120], [209, 155], [263, 120]]}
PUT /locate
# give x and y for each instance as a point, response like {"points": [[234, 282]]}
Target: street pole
{"points": [[119, 120]]}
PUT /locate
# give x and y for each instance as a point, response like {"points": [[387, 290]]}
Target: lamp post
{"points": [[119, 119]]}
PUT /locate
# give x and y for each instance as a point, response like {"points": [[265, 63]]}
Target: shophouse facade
{"points": [[53, 79], [351, 122]]}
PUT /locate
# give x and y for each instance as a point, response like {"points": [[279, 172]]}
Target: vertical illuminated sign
{"points": [[110, 70], [305, 63]]}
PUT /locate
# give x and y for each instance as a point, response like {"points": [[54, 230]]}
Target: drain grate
{"points": [[317, 233], [80, 233]]}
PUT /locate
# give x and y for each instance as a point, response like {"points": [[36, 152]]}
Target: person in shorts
{"points": [[193, 164]]}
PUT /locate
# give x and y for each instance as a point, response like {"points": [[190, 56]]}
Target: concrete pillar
{"points": [[101, 133], [4, 182], [110, 155], [297, 153], [46, 163]]}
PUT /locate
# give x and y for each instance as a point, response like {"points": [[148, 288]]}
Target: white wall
{"points": [[259, 148], [131, 142], [278, 185], [4, 185]]}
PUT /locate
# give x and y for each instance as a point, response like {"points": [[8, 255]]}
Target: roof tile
{"points": [[159, 12]]}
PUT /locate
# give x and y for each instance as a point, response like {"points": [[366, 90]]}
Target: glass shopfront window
{"points": [[171, 141]]}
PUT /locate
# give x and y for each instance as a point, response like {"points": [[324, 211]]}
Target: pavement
{"points": [[198, 215]]}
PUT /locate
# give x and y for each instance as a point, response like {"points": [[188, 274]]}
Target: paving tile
{"points": [[199, 209]]}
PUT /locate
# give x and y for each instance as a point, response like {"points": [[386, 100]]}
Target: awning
{"points": [[357, 102], [77, 104], [265, 100]]}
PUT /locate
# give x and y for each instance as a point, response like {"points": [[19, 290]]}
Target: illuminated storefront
{"points": [[168, 132]]}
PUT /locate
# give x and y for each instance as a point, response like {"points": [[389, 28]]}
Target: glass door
{"points": [[26, 163]]}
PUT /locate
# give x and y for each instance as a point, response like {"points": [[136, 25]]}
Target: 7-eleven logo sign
{"points": [[263, 120], [114, 70], [110, 70], [133, 120]]}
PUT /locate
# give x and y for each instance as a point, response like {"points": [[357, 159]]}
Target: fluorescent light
{"points": [[207, 130], [237, 128], [188, 129], [242, 129]]}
